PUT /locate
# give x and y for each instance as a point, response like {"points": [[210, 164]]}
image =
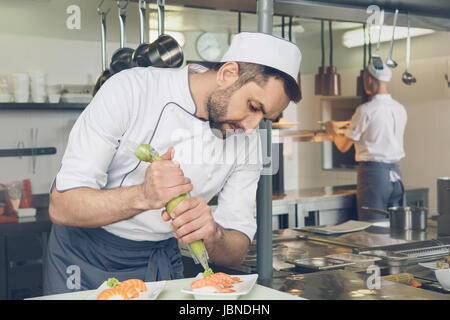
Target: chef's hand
{"points": [[330, 128], [333, 128], [164, 180], [192, 220]]}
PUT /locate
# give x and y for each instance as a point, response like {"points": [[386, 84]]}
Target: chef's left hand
{"points": [[192, 220], [330, 128]]}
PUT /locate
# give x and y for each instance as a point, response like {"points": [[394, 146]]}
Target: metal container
{"points": [[321, 263], [443, 195], [405, 218]]}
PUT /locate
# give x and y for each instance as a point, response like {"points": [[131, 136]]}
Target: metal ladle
{"points": [[407, 77], [391, 63]]}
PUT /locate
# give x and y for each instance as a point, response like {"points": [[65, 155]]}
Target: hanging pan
{"points": [[164, 52], [139, 57], [121, 59]]}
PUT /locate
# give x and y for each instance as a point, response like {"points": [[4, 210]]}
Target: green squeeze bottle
{"points": [[146, 153]]}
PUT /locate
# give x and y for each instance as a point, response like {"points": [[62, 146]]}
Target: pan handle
{"points": [[142, 19], [161, 4], [375, 210], [122, 19]]}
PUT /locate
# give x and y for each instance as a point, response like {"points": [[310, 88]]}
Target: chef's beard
{"points": [[217, 107]]}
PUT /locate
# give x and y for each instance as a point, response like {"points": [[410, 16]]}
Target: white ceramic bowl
{"points": [[54, 97], [443, 276], [5, 97]]}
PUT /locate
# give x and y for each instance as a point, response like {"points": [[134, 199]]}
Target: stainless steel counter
{"points": [[291, 244], [347, 285]]}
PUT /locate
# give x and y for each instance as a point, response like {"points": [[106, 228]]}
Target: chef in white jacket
{"points": [[108, 207], [376, 130]]}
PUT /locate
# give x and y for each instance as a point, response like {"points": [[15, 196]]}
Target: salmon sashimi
{"points": [[131, 292], [210, 282], [137, 284], [113, 294], [226, 277]]}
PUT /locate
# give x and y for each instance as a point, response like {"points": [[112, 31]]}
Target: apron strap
{"points": [[159, 266]]}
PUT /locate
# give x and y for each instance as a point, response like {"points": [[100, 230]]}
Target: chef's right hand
{"points": [[164, 180]]}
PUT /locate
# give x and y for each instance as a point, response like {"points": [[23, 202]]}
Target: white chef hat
{"points": [[267, 50], [384, 74]]}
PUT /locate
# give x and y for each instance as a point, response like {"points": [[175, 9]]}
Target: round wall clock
{"points": [[209, 46]]}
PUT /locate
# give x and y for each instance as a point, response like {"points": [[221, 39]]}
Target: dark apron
{"points": [[376, 190], [98, 255]]}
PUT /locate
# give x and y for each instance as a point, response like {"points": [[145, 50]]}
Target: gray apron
{"points": [[376, 189], [83, 258]]}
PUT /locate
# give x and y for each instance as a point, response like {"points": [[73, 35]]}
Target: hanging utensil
{"points": [[391, 63], [332, 78], [407, 77], [139, 57], [121, 59], [320, 76], [239, 22], [33, 136], [106, 73], [360, 80], [164, 52], [376, 59]]}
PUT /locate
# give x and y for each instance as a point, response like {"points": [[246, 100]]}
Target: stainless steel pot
{"points": [[164, 52], [405, 218]]}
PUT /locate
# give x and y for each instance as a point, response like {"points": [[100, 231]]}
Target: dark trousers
{"points": [[375, 189]]}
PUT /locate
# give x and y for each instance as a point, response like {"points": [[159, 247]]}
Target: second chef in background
{"points": [[376, 130]]}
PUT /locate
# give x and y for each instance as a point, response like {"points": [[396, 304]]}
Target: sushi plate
{"points": [[153, 291], [210, 293]]}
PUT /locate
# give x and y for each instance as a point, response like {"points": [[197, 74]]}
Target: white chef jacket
{"points": [[152, 105], [378, 127]]}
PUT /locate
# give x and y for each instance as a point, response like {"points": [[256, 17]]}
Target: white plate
{"points": [[209, 293], [430, 265], [153, 291]]}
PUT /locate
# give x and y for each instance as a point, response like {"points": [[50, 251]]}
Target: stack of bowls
{"points": [[38, 87], [21, 85], [4, 91]]}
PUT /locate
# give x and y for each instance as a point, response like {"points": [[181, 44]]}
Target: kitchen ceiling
{"points": [[179, 18]]}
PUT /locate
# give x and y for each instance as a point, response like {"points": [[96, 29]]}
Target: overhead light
{"points": [[355, 38], [178, 36]]}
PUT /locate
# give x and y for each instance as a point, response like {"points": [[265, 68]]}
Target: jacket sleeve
{"points": [[95, 136]]}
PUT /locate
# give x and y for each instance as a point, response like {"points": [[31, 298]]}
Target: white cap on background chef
{"points": [[104, 201], [376, 130]]}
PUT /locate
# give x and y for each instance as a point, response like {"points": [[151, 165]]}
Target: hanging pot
{"points": [[101, 79], [164, 52], [332, 78], [319, 80], [121, 59], [138, 57]]}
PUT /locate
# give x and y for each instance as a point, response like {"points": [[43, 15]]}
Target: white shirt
{"points": [[378, 127], [151, 105]]}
